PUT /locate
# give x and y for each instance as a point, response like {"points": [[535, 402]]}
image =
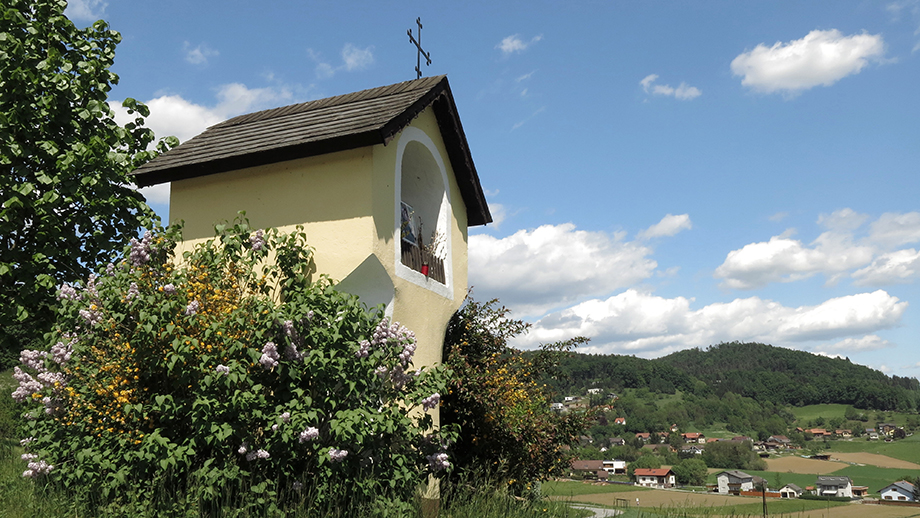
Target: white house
{"points": [[734, 481], [834, 486], [615, 466], [790, 491], [902, 491], [655, 477]]}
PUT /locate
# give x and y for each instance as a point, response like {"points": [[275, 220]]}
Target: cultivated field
{"points": [[800, 465], [873, 459]]}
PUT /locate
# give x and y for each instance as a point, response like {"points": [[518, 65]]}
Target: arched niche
{"points": [[423, 237]]}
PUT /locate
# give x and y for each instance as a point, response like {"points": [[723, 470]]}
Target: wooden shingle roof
{"points": [[339, 123]]}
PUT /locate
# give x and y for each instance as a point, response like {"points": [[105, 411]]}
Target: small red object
{"points": [[425, 270]]}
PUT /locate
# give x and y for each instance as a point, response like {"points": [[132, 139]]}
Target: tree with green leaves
{"points": [[66, 197], [691, 472]]}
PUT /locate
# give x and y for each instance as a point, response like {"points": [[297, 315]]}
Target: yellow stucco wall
{"points": [[346, 202]]}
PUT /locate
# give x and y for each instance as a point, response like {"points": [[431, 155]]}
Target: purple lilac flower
{"points": [[431, 401], [438, 461], [33, 359], [258, 454], [26, 441], [269, 359], [381, 372], [222, 369], [169, 289], [27, 385], [243, 449], [110, 269], [61, 352], [337, 455], [288, 327], [92, 316], [309, 434], [275, 427], [140, 250], [36, 469], [257, 240], [192, 308], [91, 286], [68, 292], [286, 417], [133, 291], [291, 353]]}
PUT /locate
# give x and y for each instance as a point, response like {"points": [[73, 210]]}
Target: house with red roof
{"points": [[655, 477]]}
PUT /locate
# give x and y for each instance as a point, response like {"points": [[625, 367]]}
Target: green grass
{"points": [[905, 449], [755, 508], [811, 412], [567, 488]]}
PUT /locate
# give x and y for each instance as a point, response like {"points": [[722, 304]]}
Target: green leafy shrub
{"points": [[224, 373], [510, 434]]}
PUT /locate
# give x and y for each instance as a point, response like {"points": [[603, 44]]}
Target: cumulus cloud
{"points": [[683, 92], [783, 259], [85, 10], [353, 59], [514, 44], [533, 271], [820, 58], [900, 267], [200, 54], [870, 258], [855, 345], [668, 226], [892, 229], [636, 322]]}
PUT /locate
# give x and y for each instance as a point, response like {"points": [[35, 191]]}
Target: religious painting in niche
{"points": [[408, 229]]}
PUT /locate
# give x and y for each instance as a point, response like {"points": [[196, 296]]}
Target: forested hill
{"points": [[794, 377], [759, 371]]}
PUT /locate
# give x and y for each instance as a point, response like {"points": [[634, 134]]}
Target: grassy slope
{"points": [[907, 449]]}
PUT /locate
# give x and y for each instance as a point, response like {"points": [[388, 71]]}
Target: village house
{"points": [[694, 437], [655, 477], [617, 441], [790, 491], [734, 482], [692, 449], [620, 421], [834, 486], [615, 466], [902, 491]]}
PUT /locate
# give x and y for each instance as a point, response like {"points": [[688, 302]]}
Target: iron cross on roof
{"points": [[418, 45]]}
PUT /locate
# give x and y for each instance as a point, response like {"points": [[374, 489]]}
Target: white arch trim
{"points": [[413, 134]]}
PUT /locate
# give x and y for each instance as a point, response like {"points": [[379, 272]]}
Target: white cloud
{"points": [[902, 266], [528, 119], [683, 92], [779, 216], [668, 226], [893, 229], [353, 58], [855, 345], [533, 271], [85, 10], [357, 59], [871, 257], [783, 259], [173, 115], [156, 194], [525, 76], [635, 322], [200, 54], [514, 43], [786, 260], [820, 58]]}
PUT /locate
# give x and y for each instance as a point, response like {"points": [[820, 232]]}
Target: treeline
{"points": [[789, 377], [757, 371]]}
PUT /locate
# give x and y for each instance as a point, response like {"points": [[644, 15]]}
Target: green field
{"points": [[906, 449]]}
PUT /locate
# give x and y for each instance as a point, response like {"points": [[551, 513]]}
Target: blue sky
{"points": [[663, 175]]}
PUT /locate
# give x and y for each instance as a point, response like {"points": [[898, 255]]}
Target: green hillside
{"points": [[761, 372]]}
